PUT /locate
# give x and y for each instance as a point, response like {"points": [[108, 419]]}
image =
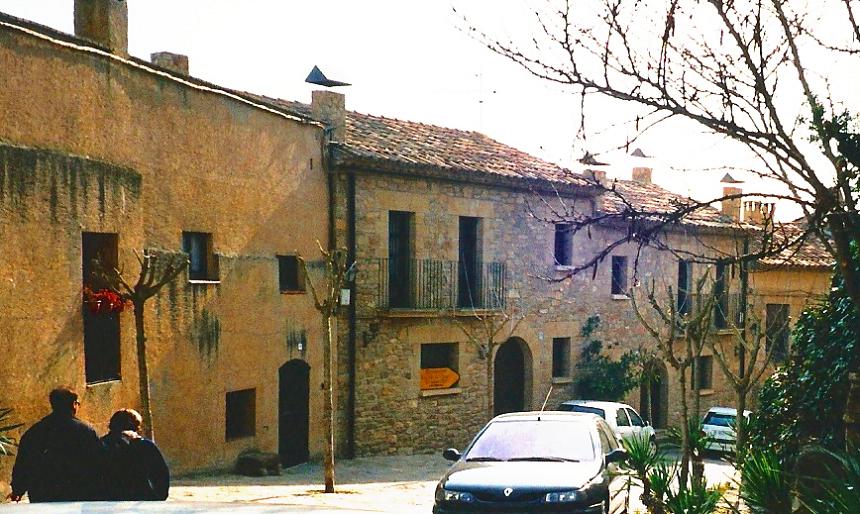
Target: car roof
{"points": [[727, 410], [598, 404], [549, 415]]}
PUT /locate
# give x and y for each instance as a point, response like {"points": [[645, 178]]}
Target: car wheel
{"points": [[652, 442]]}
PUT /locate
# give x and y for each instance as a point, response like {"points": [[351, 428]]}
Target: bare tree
{"points": [[154, 274], [755, 72], [681, 334], [327, 296]]}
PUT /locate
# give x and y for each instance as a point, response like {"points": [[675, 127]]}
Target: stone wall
{"points": [[393, 415], [163, 156]]}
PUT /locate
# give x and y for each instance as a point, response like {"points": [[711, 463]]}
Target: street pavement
{"points": [[391, 484]]}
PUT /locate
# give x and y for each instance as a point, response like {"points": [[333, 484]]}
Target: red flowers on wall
{"points": [[104, 301]]}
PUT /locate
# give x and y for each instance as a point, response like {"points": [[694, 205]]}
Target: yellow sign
{"points": [[438, 378]]}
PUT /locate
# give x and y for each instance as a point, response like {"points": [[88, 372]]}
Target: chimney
{"points": [[642, 174], [759, 213], [104, 22], [171, 61], [732, 207], [330, 107], [598, 176]]}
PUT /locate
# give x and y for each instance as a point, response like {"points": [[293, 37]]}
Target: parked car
{"points": [[719, 426], [623, 419], [554, 462]]}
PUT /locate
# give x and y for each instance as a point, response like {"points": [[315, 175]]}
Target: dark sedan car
{"points": [[549, 462]]}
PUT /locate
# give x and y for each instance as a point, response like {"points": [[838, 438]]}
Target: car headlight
{"points": [[562, 497], [455, 496]]}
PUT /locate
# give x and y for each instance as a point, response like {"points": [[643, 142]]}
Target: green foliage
{"points": [[598, 377], [841, 493], [698, 440], [693, 499], [765, 486], [6, 426], [642, 456], [803, 402]]}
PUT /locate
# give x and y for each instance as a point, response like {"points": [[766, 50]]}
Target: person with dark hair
{"points": [[58, 457], [134, 467]]}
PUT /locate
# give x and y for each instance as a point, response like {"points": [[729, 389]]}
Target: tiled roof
{"points": [[377, 139], [811, 254], [651, 198]]}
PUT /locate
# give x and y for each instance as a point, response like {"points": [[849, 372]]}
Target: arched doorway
{"points": [[511, 387], [654, 395], [293, 413]]}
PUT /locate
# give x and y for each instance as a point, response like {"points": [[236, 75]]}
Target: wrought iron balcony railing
{"points": [[428, 284]]}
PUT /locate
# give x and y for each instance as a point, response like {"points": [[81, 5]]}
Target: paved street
{"points": [[400, 484]]}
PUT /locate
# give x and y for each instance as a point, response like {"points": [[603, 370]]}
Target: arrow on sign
{"points": [[438, 378]]}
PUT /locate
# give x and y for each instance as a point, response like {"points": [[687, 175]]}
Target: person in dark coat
{"points": [[134, 467], [58, 457]]}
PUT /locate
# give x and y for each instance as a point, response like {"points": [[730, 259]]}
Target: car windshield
{"points": [[533, 440], [720, 420], [582, 408]]}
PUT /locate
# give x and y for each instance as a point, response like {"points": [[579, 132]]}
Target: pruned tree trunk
{"points": [[491, 391], [143, 371], [328, 406]]}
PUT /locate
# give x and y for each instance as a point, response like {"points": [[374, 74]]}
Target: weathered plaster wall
{"points": [[172, 159]]}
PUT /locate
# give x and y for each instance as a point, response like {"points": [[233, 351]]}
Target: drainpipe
{"points": [[351, 251]]}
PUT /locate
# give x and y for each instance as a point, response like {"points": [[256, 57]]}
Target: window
{"points": [[101, 331], [439, 366], [202, 264], [400, 258], [621, 418], [560, 357], [705, 370], [635, 420], [685, 273], [619, 275], [721, 290], [241, 414], [563, 244], [289, 277], [776, 333], [469, 264]]}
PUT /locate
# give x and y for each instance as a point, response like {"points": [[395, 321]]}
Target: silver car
{"points": [[719, 427], [623, 419]]}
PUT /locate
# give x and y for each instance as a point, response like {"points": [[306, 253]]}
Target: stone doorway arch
{"points": [[512, 371], [654, 394]]}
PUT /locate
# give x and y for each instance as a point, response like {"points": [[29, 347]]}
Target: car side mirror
{"points": [[616, 455], [452, 454]]}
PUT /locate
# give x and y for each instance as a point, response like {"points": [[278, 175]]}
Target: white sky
{"points": [[406, 59]]}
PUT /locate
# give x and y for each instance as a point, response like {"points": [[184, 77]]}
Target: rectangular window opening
{"points": [[469, 263], [563, 244], [684, 278], [619, 275], [439, 366], [290, 278], [777, 330], [560, 357], [101, 329], [705, 370], [202, 262], [241, 414], [721, 290], [400, 258]]}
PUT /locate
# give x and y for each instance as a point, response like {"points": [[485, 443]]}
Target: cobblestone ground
{"points": [[401, 484]]}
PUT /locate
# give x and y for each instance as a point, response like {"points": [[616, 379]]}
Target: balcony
{"points": [[435, 285]]}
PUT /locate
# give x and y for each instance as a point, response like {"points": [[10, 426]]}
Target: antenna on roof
{"points": [[545, 400], [316, 76]]}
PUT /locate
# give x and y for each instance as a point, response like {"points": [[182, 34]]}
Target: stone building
{"points": [[105, 154], [452, 232], [102, 154]]}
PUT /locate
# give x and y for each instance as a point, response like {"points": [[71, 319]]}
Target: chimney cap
{"points": [[316, 76], [590, 160], [639, 153], [728, 179]]}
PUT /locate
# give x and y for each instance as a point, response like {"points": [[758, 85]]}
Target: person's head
{"points": [[125, 419], [64, 400]]}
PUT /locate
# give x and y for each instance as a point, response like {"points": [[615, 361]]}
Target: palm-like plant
{"points": [[841, 493], [6, 426], [693, 499], [697, 443], [765, 486], [642, 458]]}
